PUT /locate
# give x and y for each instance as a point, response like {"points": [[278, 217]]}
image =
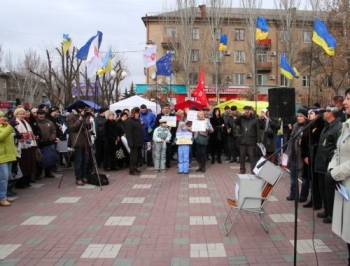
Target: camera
{"points": [[86, 113]]}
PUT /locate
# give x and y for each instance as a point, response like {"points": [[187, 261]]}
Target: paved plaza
{"points": [[158, 219]]}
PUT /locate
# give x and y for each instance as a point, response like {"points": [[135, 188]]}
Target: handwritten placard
{"points": [[183, 138], [170, 120], [192, 115], [199, 125]]}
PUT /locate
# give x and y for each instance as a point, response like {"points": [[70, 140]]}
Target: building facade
{"points": [[248, 68]]}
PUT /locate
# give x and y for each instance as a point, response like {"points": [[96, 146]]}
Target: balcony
{"points": [[170, 43], [264, 66], [263, 44]]}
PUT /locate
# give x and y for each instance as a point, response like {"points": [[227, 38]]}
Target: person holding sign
{"points": [[203, 128], [184, 141]]}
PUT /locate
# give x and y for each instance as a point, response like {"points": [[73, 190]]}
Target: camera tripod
{"points": [[84, 130]]}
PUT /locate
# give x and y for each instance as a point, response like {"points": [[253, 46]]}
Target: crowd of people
{"points": [[317, 145]]}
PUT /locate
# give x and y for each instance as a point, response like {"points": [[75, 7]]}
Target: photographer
{"points": [[79, 124]]}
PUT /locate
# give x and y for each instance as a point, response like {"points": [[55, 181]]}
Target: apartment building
{"points": [[248, 68]]}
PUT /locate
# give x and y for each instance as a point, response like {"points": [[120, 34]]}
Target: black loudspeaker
{"points": [[281, 102]]}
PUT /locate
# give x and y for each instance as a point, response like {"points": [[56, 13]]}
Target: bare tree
{"points": [[26, 86]]}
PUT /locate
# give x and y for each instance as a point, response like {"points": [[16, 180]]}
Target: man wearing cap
{"points": [[77, 125], [161, 137], [227, 140], [169, 152], [148, 121], [232, 130], [249, 134], [47, 138], [100, 121], [325, 151]]}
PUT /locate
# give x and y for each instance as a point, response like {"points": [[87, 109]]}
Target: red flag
{"points": [[199, 91]]}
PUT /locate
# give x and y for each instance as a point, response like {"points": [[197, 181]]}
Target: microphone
{"points": [[327, 109]]}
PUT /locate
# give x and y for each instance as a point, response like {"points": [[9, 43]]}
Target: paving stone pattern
{"points": [[158, 219]]}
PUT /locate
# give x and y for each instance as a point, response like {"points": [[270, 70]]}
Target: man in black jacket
{"points": [[248, 136], [100, 121], [134, 135], [325, 151]]}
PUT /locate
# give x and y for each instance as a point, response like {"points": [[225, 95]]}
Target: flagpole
{"points": [[309, 89]]}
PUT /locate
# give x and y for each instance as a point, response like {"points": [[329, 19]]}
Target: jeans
{"points": [[5, 172], [81, 160], [183, 158], [160, 155]]}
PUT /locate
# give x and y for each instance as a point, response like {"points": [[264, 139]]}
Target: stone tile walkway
{"points": [[158, 219]]}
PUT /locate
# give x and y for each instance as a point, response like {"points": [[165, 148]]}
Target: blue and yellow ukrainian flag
{"points": [[107, 63], [223, 43], [323, 38], [286, 69], [262, 30], [66, 43]]}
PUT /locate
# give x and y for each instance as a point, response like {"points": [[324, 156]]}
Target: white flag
{"points": [[149, 56], [93, 60]]}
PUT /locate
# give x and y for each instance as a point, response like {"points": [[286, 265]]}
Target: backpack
{"points": [[92, 179]]}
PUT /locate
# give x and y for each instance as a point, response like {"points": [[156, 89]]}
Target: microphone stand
{"points": [[294, 154]]}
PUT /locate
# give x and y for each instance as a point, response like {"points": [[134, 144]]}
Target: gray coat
{"points": [[340, 171]]}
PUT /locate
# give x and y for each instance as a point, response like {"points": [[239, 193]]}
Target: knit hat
{"points": [[233, 108], [162, 121], [102, 110], [41, 111], [108, 113], [53, 109], [302, 111], [182, 124]]}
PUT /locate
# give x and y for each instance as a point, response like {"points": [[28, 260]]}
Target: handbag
{"points": [[120, 153], [50, 156], [38, 155], [201, 140]]}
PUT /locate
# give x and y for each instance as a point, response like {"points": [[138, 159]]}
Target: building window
{"points": [[217, 56], [306, 81], [239, 57], [170, 32], [195, 34], [193, 78], [217, 34], [307, 36], [239, 34], [194, 55], [262, 79], [329, 81], [239, 79], [283, 80], [4, 84], [262, 57], [283, 36], [214, 81]]}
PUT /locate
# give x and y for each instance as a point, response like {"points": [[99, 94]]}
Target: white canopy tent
{"points": [[135, 101]]}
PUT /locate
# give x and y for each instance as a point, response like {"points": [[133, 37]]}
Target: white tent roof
{"points": [[134, 101]]}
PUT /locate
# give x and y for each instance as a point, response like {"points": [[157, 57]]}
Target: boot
{"points": [[203, 165], [200, 165], [308, 205]]}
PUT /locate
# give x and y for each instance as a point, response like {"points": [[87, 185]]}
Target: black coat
{"points": [[327, 145], [249, 130], [217, 123], [133, 131], [111, 131], [100, 126]]}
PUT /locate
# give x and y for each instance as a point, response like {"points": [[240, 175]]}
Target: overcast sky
{"points": [[39, 25]]}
